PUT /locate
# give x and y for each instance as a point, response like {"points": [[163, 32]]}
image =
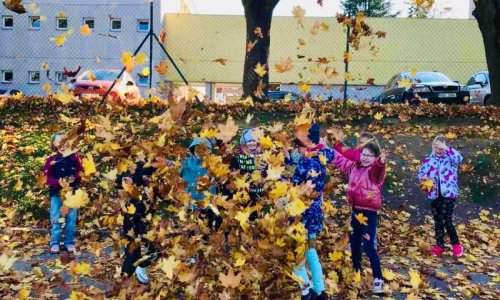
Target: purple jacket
{"points": [[444, 173], [57, 167]]}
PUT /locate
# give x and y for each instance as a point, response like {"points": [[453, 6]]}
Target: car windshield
{"points": [[428, 77], [104, 75]]}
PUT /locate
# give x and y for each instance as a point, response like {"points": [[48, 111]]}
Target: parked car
{"points": [[433, 87], [280, 95], [479, 88], [93, 84], [8, 93]]}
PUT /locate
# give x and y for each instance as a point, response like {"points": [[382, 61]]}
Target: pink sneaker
{"points": [[458, 250], [437, 251]]}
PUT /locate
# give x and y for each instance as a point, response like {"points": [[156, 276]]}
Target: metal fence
{"points": [[36, 47]]}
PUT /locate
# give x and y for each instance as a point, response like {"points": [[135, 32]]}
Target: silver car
{"points": [[479, 88]]}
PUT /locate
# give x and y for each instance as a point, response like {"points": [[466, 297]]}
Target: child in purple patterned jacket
{"points": [[439, 175]]}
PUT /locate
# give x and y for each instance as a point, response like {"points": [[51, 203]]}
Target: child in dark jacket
{"points": [[364, 192], [59, 167], [135, 225], [441, 170]]}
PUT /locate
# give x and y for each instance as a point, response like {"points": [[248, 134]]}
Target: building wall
{"points": [[23, 50]]}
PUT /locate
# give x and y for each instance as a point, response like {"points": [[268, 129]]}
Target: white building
{"points": [[27, 40]]}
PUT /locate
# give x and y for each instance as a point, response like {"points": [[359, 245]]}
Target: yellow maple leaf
{"points": [[405, 83], [260, 70], [274, 172], [24, 293], [162, 67], [427, 185], [128, 61], [47, 87], [82, 268], [6, 262], [413, 72], [131, 209], [85, 30], [322, 159], [145, 72], [304, 87], [296, 207], [280, 190], [78, 199], [208, 133], [378, 116], [266, 142], [18, 96], [357, 277], [230, 280], [242, 217], [388, 274], [284, 65], [239, 262], [347, 57], [141, 58], [88, 165], [361, 219], [335, 255], [451, 135], [168, 266], [415, 279]]}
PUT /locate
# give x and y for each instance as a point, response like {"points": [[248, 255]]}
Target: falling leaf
{"points": [[77, 199], [304, 87], [335, 256], [88, 165], [59, 40], [145, 72], [361, 219], [299, 13], [208, 133], [162, 67], [227, 131], [222, 61], [128, 61], [266, 142], [381, 34], [141, 58], [260, 70], [284, 65], [451, 135], [248, 118], [47, 87], [370, 81], [242, 217], [131, 209], [405, 83], [85, 30], [413, 72], [230, 280], [378, 116]]}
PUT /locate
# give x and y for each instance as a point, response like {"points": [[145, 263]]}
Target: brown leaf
{"points": [[230, 280], [222, 61]]}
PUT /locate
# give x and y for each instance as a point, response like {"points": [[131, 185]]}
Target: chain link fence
{"points": [[209, 50]]}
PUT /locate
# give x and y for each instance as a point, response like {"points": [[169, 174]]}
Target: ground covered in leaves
{"points": [[245, 259]]}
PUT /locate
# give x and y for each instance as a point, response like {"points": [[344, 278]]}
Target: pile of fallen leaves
{"points": [[244, 258]]}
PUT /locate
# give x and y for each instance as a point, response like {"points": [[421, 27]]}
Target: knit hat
{"points": [[247, 137], [314, 133], [198, 141]]}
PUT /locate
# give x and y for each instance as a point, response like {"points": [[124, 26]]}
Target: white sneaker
{"points": [[55, 249], [142, 275], [71, 248], [378, 286]]}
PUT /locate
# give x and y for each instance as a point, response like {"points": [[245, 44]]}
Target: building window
{"points": [[143, 80], [143, 25], [116, 24], [7, 22], [7, 76], [60, 77], [34, 76], [62, 23], [35, 22], [90, 22]]}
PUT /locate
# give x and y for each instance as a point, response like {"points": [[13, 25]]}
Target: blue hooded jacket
{"points": [[192, 169]]}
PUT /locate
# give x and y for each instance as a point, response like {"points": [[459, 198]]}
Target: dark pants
{"points": [[364, 235], [442, 211], [134, 226], [213, 221]]}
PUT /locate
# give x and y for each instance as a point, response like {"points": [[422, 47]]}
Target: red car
{"points": [[93, 84]]}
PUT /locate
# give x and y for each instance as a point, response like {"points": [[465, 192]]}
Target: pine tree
{"points": [[371, 8]]}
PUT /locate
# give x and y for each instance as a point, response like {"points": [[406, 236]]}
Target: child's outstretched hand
{"points": [[383, 157], [440, 145], [337, 134]]}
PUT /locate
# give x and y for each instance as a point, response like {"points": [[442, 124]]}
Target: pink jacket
{"points": [[353, 154], [365, 183]]}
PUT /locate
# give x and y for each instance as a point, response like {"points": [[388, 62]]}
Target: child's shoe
{"points": [[378, 286], [71, 248], [458, 250], [142, 275], [55, 249], [437, 251], [311, 295], [322, 296]]}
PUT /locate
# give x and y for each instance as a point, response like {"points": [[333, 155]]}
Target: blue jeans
{"points": [[312, 259], [56, 227]]}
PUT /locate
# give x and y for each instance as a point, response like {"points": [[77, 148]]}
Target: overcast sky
{"points": [[443, 8]]}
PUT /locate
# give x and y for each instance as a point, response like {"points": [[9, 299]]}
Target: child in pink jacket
{"points": [[364, 192]]}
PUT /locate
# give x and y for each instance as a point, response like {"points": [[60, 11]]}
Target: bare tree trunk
{"points": [[488, 19], [258, 15]]}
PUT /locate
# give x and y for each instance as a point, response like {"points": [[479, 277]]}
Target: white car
{"points": [[479, 88]]}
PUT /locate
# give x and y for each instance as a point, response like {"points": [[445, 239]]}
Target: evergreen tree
{"points": [[371, 8]]}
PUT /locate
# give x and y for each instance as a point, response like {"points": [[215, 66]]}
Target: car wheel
{"points": [[486, 100]]}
